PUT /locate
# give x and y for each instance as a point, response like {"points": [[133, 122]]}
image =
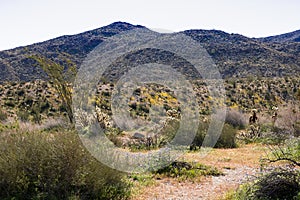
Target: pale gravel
{"points": [[209, 188]]}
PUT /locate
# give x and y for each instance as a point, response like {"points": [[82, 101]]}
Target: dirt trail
{"points": [[209, 188], [238, 166]]}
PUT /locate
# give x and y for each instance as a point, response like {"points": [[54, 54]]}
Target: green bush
{"points": [[198, 140], [44, 165], [277, 184], [227, 138], [186, 171], [273, 138]]}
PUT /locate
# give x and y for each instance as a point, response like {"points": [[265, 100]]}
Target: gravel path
{"points": [[209, 188]]}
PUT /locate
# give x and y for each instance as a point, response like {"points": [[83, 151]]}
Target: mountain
{"points": [[283, 38], [234, 54], [240, 56], [15, 64]]}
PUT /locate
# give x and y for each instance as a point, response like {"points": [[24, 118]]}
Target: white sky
{"points": [[24, 22]]}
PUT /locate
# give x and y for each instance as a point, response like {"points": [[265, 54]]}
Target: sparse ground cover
{"points": [[26, 98], [32, 112]]}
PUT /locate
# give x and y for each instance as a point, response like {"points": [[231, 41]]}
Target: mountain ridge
{"points": [[234, 54], [293, 36]]}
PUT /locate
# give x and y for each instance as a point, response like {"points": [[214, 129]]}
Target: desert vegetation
{"points": [[49, 162], [42, 156], [257, 155]]}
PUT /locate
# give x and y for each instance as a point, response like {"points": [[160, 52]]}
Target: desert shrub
{"points": [[272, 139], [5, 127], [297, 129], [236, 119], [44, 106], [167, 133], [23, 115], [36, 113], [60, 76], [198, 140], [3, 115], [37, 165], [266, 127], [290, 152], [187, 171], [277, 184], [54, 124], [162, 138], [265, 134], [113, 135], [20, 92], [244, 192], [145, 179], [10, 103], [227, 138], [288, 118]]}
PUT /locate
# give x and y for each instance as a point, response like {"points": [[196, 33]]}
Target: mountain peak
{"points": [[123, 24], [120, 26]]}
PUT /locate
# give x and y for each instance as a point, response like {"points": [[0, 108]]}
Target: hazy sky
{"points": [[24, 22]]}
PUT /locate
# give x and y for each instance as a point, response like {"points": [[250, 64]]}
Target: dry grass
{"points": [[247, 155]]}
